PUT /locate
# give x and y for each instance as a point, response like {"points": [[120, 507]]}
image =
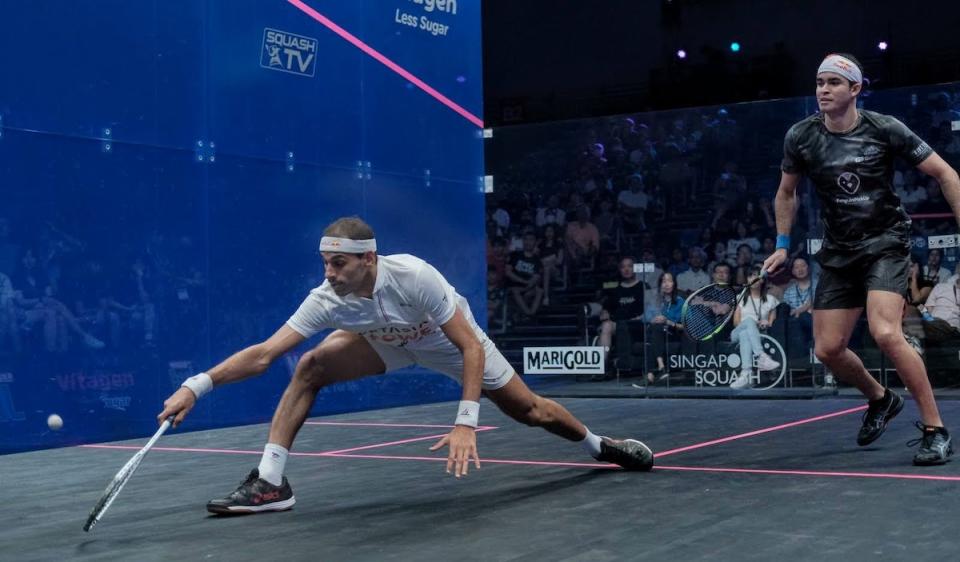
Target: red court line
{"points": [[812, 473], [758, 432], [368, 424], [329, 24]]}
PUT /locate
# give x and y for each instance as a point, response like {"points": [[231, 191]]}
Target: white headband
{"points": [[347, 246], [842, 66]]}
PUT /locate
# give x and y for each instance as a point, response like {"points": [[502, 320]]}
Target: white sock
{"points": [[591, 443], [272, 463]]}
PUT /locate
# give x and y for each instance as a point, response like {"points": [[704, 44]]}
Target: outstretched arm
{"points": [[246, 363]]}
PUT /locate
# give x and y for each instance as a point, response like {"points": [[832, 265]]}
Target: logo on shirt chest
{"points": [[849, 182]]}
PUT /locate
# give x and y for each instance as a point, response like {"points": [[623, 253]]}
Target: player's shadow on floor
{"points": [[415, 514]]}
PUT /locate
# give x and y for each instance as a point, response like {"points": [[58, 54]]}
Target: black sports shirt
{"points": [[853, 174]]}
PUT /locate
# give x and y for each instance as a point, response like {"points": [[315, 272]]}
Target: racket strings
{"points": [[708, 310]]}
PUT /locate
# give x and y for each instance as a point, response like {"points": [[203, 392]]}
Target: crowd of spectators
{"points": [[690, 192]]}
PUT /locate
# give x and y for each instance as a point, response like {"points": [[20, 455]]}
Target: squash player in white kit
{"points": [[388, 312]]}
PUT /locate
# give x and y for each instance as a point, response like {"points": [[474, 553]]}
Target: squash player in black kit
{"points": [[848, 154]]}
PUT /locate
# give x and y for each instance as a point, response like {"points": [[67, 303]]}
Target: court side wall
{"points": [[166, 170]]}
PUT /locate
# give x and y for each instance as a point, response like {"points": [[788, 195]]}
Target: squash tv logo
{"points": [[288, 52]]}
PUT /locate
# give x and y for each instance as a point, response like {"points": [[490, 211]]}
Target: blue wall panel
{"points": [[157, 256]]}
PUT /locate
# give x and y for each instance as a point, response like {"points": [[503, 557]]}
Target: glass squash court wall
{"points": [[166, 169]]}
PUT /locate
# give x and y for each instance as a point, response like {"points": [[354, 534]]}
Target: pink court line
{"points": [[368, 424], [295, 454], [758, 432], [812, 473], [682, 468], [482, 460], [329, 24], [570, 464], [390, 443]]}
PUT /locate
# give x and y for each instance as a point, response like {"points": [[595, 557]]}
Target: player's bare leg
{"points": [[340, 357], [831, 335], [520, 403], [885, 316]]}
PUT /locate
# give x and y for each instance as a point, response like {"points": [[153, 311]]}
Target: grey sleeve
{"points": [[905, 143], [311, 317]]}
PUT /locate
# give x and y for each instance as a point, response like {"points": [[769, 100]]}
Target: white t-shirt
{"points": [[756, 308], [410, 301]]}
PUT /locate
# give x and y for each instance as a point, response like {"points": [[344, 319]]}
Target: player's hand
{"points": [[776, 260], [463, 446], [179, 405], [659, 319]]}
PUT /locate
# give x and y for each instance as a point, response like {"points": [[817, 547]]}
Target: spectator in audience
{"points": [[551, 213], [730, 185], [621, 300], [36, 306], [500, 214], [8, 315], [719, 256], [745, 262], [677, 178], [677, 263], [663, 323], [918, 289], [523, 275], [608, 223], [722, 272], [582, 239], [551, 258], [707, 239], [944, 305], [695, 277], [633, 203], [743, 237], [920, 285], [9, 250], [495, 296], [934, 271], [754, 314], [497, 257], [799, 297]]}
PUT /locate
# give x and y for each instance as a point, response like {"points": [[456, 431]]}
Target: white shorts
{"points": [[449, 361]]}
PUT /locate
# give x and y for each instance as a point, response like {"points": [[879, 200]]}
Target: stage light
{"points": [[882, 45], [735, 47], [681, 54]]}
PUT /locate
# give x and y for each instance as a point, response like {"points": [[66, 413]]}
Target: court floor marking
{"points": [[758, 432], [776, 472], [369, 424], [297, 454]]}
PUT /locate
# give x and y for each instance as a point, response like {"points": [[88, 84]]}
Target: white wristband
{"points": [[468, 413], [199, 384]]}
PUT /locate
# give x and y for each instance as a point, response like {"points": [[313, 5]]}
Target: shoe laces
{"points": [[926, 440]]}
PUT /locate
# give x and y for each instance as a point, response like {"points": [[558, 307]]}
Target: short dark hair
{"points": [[353, 228], [722, 264]]}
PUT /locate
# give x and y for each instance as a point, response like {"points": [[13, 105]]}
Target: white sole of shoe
{"points": [[274, 506]]}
